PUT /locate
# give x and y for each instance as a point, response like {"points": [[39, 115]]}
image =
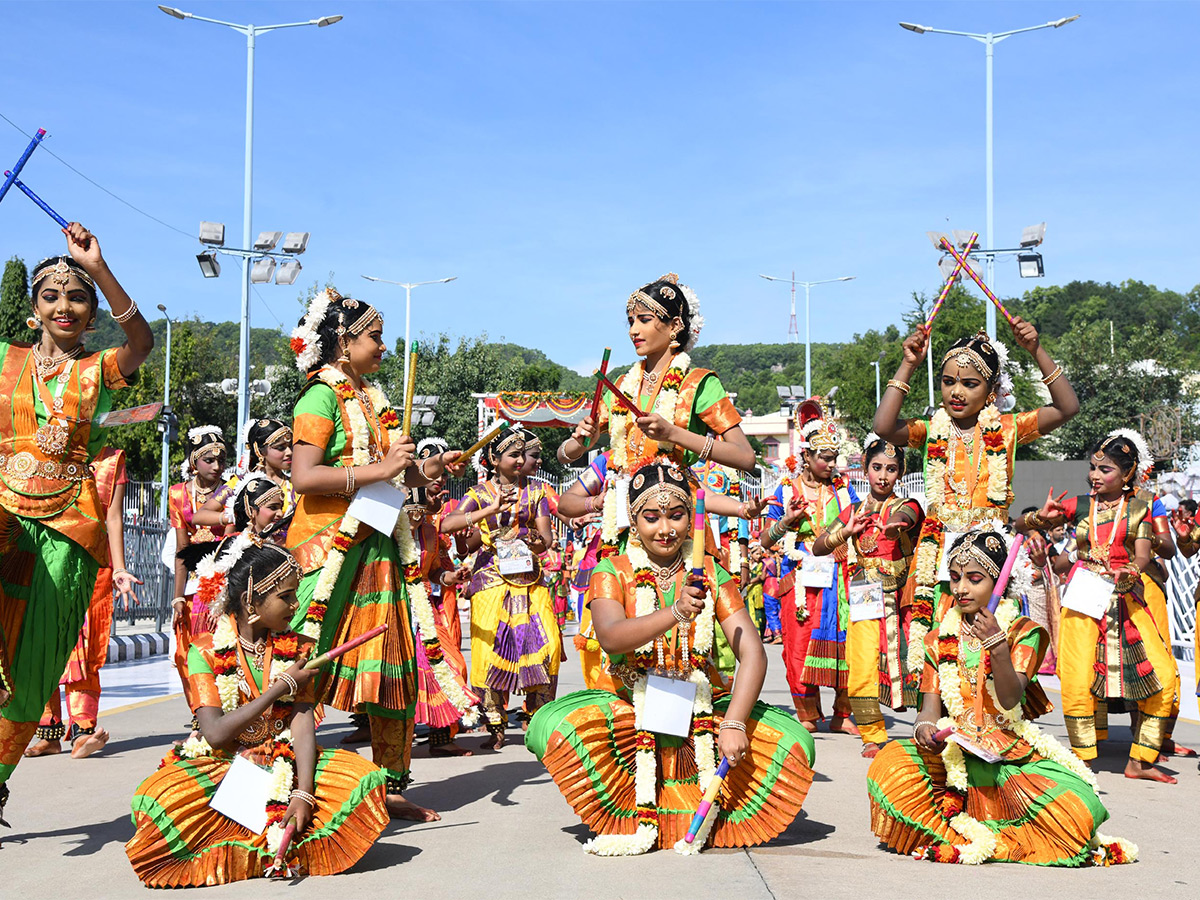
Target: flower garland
{"points": [[306, 342], [664, 405], [343, 540], [981, 840], [645, 778]]}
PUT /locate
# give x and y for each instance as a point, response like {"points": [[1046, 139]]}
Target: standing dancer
{"points": [[254, 701], [82, 677], [514, 636], [347, 436], [53, 536], [439, 575], [883, 528], [969, 446], [1016, 794], [638, 789], [1117, 653], [814, 618]]}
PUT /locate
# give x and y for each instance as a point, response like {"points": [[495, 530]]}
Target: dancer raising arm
{"points": [[50, 515], [969, 445]]}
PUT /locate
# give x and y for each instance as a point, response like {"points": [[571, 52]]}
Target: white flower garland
{"points": [[935, 483], [664, 405], [306, 343]]}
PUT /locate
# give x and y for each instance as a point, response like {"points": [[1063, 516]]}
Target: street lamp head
{"points": [[323, 21], [162, 309], [916, 29], [846, 278], [173, 12], [370, 278], [447, 280], [1059, 24]]}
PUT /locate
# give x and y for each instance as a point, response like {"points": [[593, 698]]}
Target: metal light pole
{"points": [[408, 286], [166, 444], [807, 323], [989, 42], [250, 31], [877, 364]]}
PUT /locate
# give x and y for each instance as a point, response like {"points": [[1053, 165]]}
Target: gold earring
{"points": [[33, 323], [674, 340], [253, 617]]}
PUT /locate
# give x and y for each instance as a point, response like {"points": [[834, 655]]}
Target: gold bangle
{"points": [[1053, 376], [898, 385]]}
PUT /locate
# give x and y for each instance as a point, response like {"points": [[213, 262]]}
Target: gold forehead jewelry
{"points": [[968, 552], [512, 437], [968, 356], [992, 543], [668, 292], [889, 450], [641, 298], [365, 320], [285, 568], [663, 492], [60, 273], [277, 433]]}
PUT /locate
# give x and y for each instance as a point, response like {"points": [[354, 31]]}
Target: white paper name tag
{"points": [[973, 748], [943, 572], [377, 505], [622, 498], [513, 557], [817, 572], [866, 602], [668, 707], [1088, 593], [243, 793]]}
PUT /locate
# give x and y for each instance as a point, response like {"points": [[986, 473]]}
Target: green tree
{"points": [[14, 302]]}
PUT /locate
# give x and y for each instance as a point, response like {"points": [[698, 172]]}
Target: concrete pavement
{"points": [[507, 832]]}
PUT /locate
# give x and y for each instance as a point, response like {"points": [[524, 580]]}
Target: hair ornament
{"points": [[305, 340], [1144, 463]]}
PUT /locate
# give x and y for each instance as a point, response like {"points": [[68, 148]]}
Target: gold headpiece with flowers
{"points": [[816, 426], [661, 483]]}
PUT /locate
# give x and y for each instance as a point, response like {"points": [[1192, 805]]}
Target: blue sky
{"points": [[555, 156]]}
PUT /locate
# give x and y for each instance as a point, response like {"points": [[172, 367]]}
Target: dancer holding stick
{"points": [[997, 788], [658, 623]]}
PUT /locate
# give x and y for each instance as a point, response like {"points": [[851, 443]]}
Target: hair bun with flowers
{"points": [[1145, 459], [306, 342]]}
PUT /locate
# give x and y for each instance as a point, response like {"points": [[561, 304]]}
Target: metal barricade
{"points": [[143, 558]]}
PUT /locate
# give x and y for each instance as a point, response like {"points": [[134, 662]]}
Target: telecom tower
{"points": [[793, 329]]}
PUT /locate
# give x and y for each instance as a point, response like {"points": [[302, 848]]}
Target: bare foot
{"points": [[450, 749], [1172, 748], [358, 736], [1137, 769], [495, 742], [811, 726], [43, 748], [842, 725], [869, 750], [399, 808], [87, 744]]}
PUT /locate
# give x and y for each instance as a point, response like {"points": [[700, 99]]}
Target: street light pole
{"points": [[251, 32], [408, 286], [166, 444], [877, 364], [807, 321], [989, 42]]}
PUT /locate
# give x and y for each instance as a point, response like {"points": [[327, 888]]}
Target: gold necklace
{"points": [[665, 575], [47, 364]]}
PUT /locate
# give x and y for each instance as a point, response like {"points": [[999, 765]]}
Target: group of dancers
{"points": [[887, 601]]}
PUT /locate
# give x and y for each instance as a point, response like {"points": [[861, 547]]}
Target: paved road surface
{"points": [[506, 831]]}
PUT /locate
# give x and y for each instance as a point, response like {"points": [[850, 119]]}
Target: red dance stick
{"points": [[1005, 572], [600, 385], [937, 306], [317, 661], [979, 281], [619, 395], [279, 868]]}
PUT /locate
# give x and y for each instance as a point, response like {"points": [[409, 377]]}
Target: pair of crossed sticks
{"points": [[11, 180], [961, 265]]}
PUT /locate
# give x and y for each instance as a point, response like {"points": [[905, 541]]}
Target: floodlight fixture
{"points": [[262, 270], [267, 240], [212, 233], [209, 265], [936, 237], [783, 391], [798, 391], [229, 386], [295, 242], [427, 417], [962, 237], [1030, 265], [947, 266], [1033, 235], [432, 400], [918, 29], [832, 391], [287, 272]]}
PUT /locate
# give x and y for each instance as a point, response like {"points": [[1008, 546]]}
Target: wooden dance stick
{"points": [[966, 267], [1005, 572], [698, 538], [317, 661], [466, 455], [618, 394], [279, 868], [10, 177], [710, 797], [408, 389], [600, 384], [937, 306], [39, 201]]}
